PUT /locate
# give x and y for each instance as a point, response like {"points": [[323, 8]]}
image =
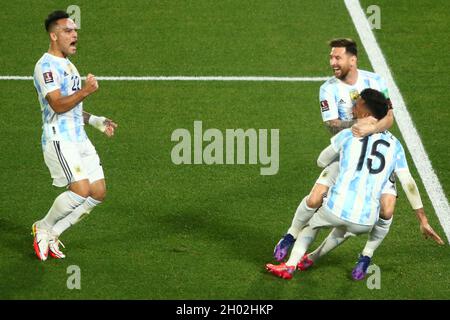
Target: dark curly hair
{"points": [[53, 17], [376, 102]]}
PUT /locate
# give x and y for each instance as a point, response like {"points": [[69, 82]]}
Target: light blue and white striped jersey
{"points": [[53, 73], [364, 168], [338, 98]]}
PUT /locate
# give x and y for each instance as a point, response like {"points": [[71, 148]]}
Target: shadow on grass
{"points": [[19, 260], [23, 275], [243, 241]]}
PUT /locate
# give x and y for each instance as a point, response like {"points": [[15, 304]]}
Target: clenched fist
{"points": [[91, 84]]}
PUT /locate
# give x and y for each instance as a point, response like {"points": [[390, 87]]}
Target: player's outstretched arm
{"points": [[61, 104], [368, 126], [103, 124], [412, 193]]}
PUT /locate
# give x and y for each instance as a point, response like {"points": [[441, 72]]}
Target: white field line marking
{"points": [[191, 78], [402, 117]]}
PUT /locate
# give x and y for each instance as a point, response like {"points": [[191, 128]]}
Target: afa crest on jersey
{"points": [[354, 95]]}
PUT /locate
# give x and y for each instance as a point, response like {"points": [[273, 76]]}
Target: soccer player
{"points": [[365, 165], [69, 155], [337, 98]]}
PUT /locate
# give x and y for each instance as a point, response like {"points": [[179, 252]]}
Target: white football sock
{"points": [[64, 204], [301, 218], [376, 236], [334, 239], [75, 216], [305, 238]]}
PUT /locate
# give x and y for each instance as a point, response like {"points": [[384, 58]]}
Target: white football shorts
{"points": [[69, 162], [323, 218], [330, 173]]}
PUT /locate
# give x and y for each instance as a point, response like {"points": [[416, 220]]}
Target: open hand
{"points": [[364, 127], [110, 127], [428, 232]]}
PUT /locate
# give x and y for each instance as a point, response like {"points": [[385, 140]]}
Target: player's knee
{"points": [[387, 207], [83, 193], [99, 194], [314, 200], [387, 213], [81, 188], [316, 195]]}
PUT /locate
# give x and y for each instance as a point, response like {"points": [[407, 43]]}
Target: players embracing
{"points": [[338, 97]]}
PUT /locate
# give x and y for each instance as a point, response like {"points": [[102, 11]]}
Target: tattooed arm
{"points": [[337, 125]]}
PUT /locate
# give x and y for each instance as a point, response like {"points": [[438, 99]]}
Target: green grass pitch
{"points": [[198, 231]]}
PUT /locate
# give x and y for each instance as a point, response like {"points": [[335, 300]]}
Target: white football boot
{"points": [[40, 242], [53, 248]]}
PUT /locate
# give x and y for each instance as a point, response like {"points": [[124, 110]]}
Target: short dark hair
{"points": [[53, 17], [348, 44], [376, 102]]}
